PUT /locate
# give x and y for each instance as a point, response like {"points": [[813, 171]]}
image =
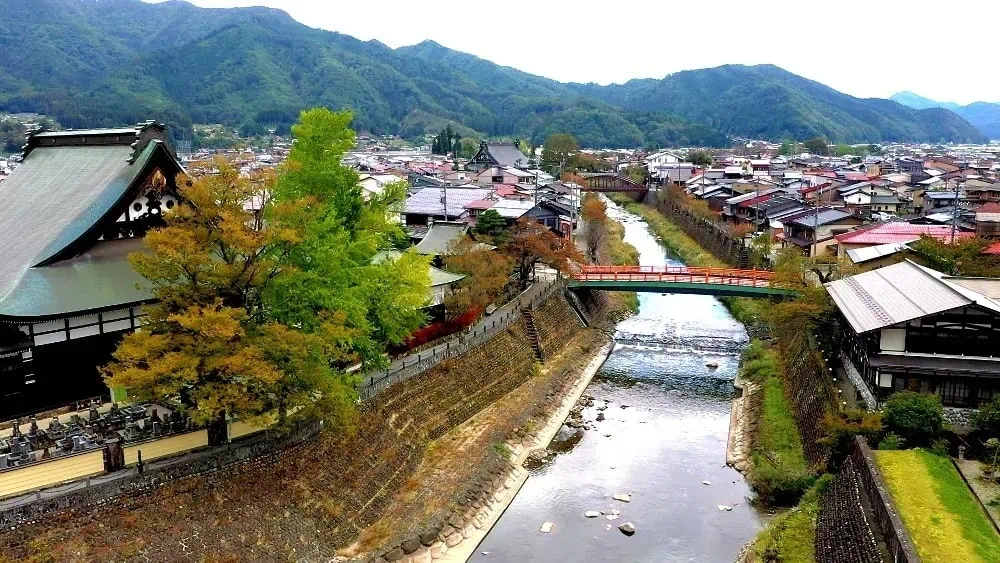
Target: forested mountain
{"points": [[983, 115], [766, 101], [109, 62]]}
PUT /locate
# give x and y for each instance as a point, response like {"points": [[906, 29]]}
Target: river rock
{"points": [[725, 507], [410, 544], [706, 482], [627, 528], [612, 516], [622, 497], [600, 417], [591, 514], [615, 511], [546, 527]]}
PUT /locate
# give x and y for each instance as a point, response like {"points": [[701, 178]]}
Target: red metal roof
{"points": [[992, 249], [899, 232], [991, 207], [480, 204]]}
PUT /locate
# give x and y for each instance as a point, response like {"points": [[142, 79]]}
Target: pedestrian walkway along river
{"points": [[661, 439]]}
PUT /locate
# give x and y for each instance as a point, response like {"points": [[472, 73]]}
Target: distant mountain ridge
{"points": [[109, 62], [985, 116]]}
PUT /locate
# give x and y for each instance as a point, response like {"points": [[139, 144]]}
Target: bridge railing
{"points": [[716, 276]]}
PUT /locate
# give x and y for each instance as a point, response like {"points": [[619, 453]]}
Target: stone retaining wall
{"points": [[478, 505], [556, 323], [843, 533], [887, 519]]}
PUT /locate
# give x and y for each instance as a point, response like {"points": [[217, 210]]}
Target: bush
{"points": [[987, 418], [840, 429], [917, 417], [891, 441], [780, 486], [940, 447]]}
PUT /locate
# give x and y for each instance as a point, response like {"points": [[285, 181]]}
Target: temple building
{"points": [[501, 155], [70, 214], [913, 328]]}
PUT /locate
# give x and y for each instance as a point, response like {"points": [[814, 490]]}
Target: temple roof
{"points": [[97, 279], [67, 184]]}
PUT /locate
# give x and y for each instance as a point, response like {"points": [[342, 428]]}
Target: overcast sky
{"points": [[873, 48]]}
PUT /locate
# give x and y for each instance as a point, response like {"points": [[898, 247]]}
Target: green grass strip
{"points": [[944, 520]]}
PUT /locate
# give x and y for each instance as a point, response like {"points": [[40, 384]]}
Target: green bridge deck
{"points": [[717, 289]]}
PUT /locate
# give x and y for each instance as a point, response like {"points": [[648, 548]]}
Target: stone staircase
{"points": [[529, 324]]}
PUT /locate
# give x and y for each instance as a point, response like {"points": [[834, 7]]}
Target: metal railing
{"points": [[718, 276]]}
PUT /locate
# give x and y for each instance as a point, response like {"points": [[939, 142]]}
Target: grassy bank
{"points": [[792, 535], [621, 253], [944, 520], [778, 472], [745, 310]]}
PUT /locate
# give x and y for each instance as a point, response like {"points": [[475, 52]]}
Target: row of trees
{"points": [[450, 142], [268, 288]]}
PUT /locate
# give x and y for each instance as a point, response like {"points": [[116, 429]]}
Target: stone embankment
{"points": [[742, 420], [307, 503], [454, 533]]}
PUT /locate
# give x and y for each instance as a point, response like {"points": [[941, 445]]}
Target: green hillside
{"points": [[109, 62]]}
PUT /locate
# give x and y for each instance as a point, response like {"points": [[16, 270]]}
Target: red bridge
{"points": [[662, 279]]}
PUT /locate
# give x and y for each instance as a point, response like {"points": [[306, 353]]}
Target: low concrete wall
{"points": [[19, 480], [171, 445]]}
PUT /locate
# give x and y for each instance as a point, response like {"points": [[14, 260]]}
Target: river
{"points": [[664, 435]]}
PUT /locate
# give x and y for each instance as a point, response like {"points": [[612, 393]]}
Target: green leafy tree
{"points": [[700, 157], [637, 174], [987, 419], [558, 152], [787, 148], [491, 224], [467, 147], [260, 307], [916, 417], [818, 145], [964, 257]]}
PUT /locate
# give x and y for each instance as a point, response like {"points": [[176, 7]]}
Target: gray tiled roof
{"points": [[507, 155], [53, 198], [430, 201], [823, 217], [97, 279], [441, 236]]}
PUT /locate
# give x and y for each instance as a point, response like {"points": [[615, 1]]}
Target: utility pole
{"points": [[955, 213], [815, 249]]}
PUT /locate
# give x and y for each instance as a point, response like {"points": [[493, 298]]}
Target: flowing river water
{"points": [[663, 436]]}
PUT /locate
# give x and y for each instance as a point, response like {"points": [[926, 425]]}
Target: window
{"points": [[497, 180], [953, 392]]}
